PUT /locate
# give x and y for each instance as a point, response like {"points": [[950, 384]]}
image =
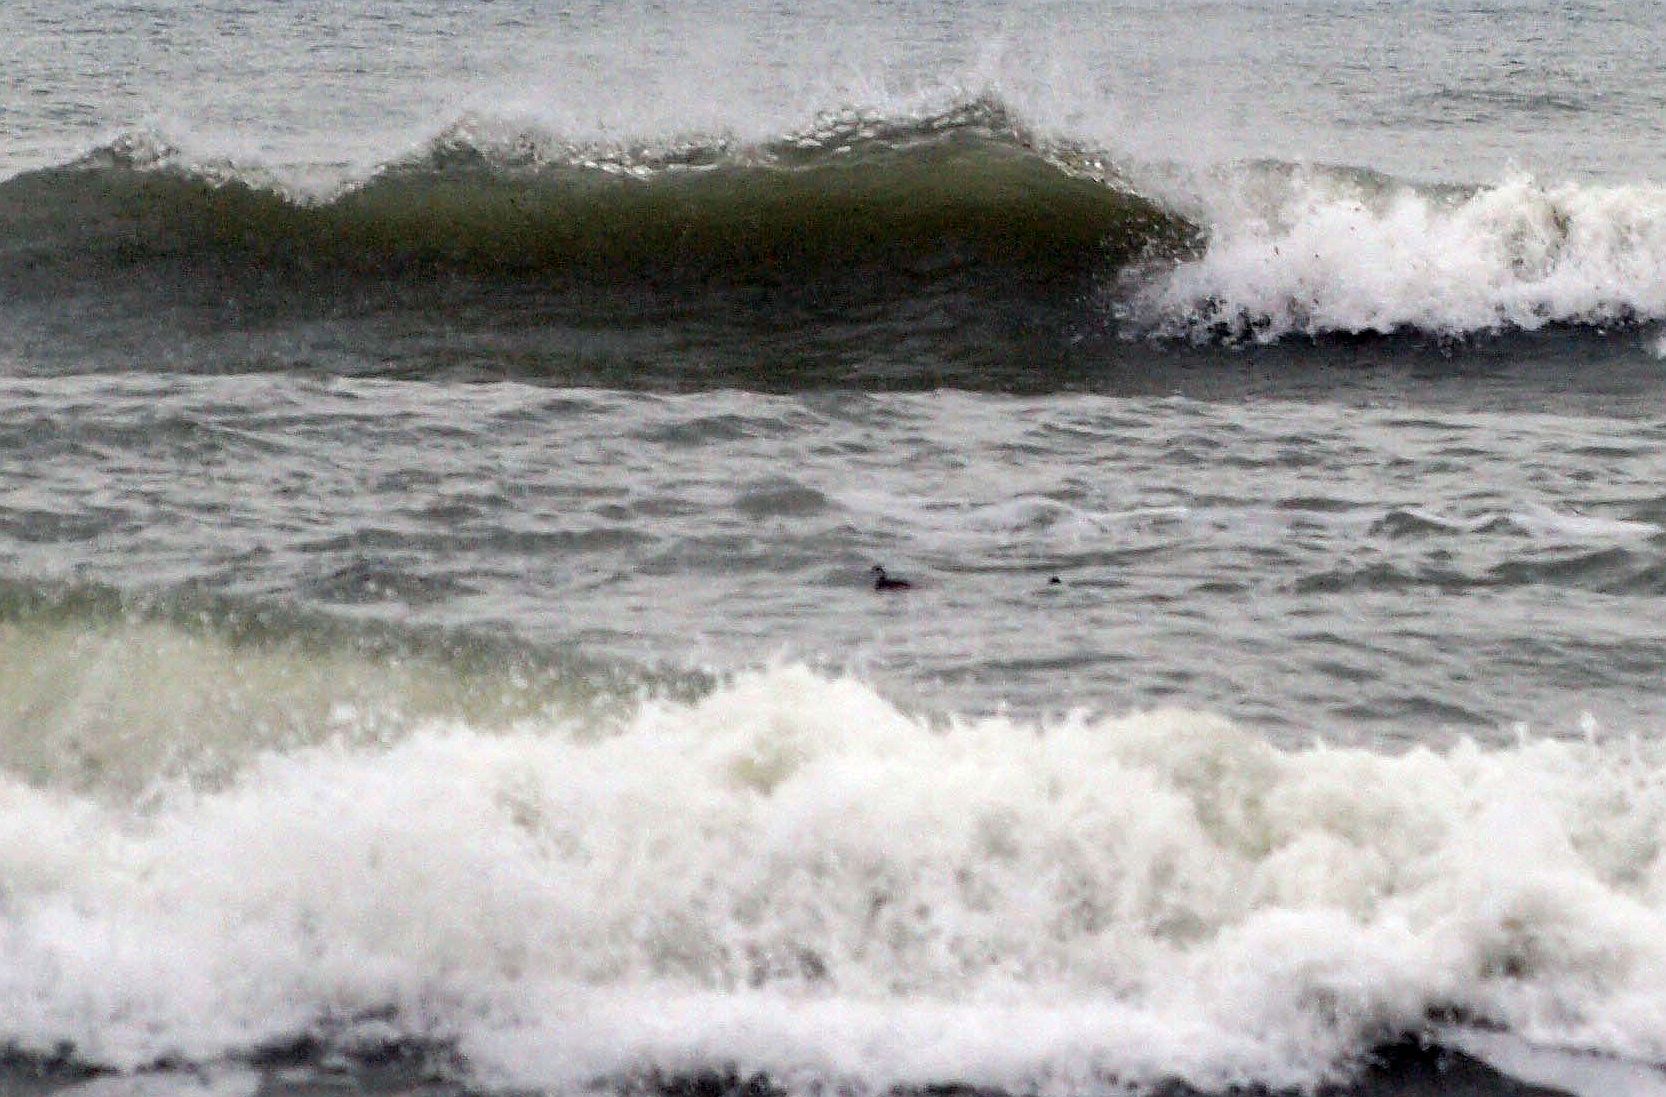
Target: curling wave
{"points": [[942, 245], [854, 196]]}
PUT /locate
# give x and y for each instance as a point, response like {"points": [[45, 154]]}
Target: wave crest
{"points": [[964, 192], [954, 216]]}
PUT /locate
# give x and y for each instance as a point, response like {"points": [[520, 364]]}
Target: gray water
{"points": [[1458, 91], [1356, 573]]}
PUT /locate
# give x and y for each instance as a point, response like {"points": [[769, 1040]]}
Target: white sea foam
{"points": [[1568, 1072], [793, 875], [1535, 520], [1315, 251], [1541, 521]]}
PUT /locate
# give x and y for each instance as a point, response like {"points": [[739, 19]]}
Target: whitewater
{"points": [[794, 878], [444, 449]]}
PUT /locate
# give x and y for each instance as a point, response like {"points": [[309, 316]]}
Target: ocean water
{"points": [[443, 451]]}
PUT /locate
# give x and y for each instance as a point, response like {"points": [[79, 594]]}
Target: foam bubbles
{"points": [[793, 875], [1315, 251]]}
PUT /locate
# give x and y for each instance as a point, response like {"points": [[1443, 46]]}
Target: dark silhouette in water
{"points": [[881, 581]]}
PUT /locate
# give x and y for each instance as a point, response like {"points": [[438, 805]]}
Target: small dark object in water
{"points": [[1055, 581], [881, 581]]}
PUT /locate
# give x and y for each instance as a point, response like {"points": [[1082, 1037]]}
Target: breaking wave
{"points": [[959, 238], [787, 876], [114, 694], [1311, 252]]}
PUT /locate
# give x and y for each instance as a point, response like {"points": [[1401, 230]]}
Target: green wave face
{"points": [[870, 251], [114, 694], [905, 203]]}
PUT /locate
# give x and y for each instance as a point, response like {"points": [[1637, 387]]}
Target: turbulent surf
{"points": [[787, 877]]}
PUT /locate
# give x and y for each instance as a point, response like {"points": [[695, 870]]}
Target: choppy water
{"points": [[443, 448]]}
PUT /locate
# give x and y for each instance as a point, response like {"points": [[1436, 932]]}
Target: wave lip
{"points": [[1309, 252]]}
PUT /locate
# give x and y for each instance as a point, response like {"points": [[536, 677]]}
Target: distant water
{"points": [[443, 448]]}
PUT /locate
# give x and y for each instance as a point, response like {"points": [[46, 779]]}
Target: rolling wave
{"points": [[916, 201], [956, 246]]}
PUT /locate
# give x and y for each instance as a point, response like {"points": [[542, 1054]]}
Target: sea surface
{"points": [[444, 449]]}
